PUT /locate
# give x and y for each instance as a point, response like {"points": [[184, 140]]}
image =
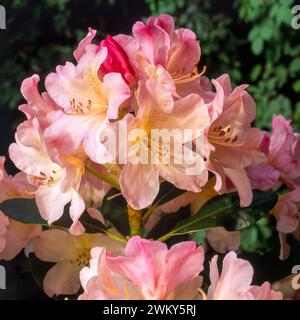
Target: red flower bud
{"points": [[117, 60]]}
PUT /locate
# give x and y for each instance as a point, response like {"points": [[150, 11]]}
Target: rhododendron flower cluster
{"points": [[132, 128]]}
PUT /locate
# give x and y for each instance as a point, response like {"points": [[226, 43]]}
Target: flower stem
{"points": [[115, 237], [135, 218]]}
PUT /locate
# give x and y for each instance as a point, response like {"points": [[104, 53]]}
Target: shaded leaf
{"points": [[26, 211], [114, 209], [23, 210], [225, 211], [167, 192]]}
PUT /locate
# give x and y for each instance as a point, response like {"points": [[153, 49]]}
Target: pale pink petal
{"points": [[189, 114], [77, 207], [156, 270], [184, 261], [263, 176], [242, 183], [17, 236], [81, 49], [96, 214], [30, 153], [222, 240], [154, 94], [154, 41], [54, 246], [37, 105], [144, 262], [184, 53], [93, 146], [100, 283], [188, 290], [286, 211], [80, 82], [46, 196], [166, 22], [62, 278], [67, 132], [234, 280], [179, 175], [139, 184], [285, 248], [265, 292], [117, 92]]}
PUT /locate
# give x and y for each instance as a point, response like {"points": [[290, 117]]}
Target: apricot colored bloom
{"points": [[234, 143], [88, 101], [70, 253], [139, 180], [147, 271], [234, 282], [57, 177]]}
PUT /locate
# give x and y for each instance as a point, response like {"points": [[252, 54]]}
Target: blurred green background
{"points": [[252, 40]]}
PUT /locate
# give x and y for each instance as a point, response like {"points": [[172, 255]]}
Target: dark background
{"points": [[252, 40]]}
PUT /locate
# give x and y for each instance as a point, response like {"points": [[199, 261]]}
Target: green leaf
{"points": [[23, 210], [255, 72], [225, 211], [295, 65], [296, 86], [198, 237], [38, 269], [257, 46], [114, 209], [26, 211], [167, 192]]}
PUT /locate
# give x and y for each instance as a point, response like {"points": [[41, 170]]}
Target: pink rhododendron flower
{"points": [[147, 271], [70, 253], [159, 51], [235, 144], [56, 176], [263, 176], [140, 182], [131, 113], [88, 102], [234, 282], [287, 212]]}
